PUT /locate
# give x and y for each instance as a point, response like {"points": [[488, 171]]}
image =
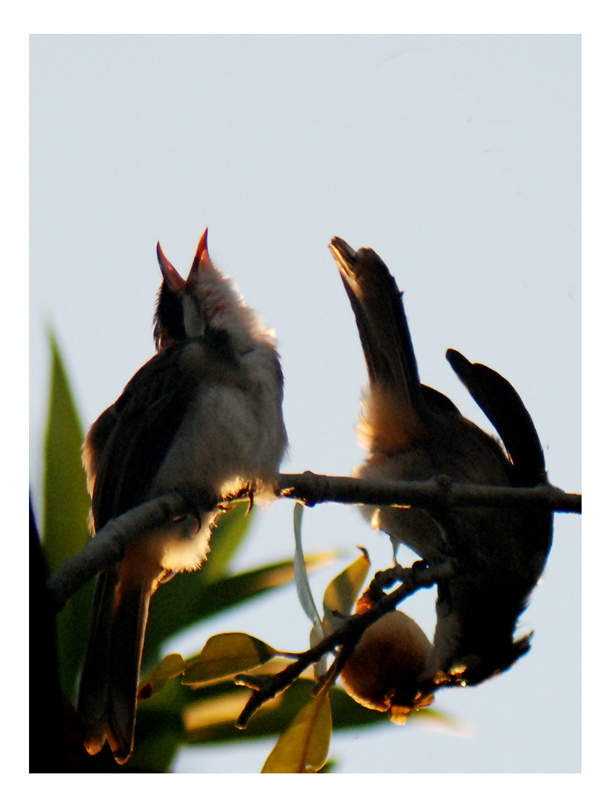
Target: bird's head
{"points": [[206, 301]]}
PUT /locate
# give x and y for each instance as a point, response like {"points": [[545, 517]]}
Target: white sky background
{"points": [[457, 158]]}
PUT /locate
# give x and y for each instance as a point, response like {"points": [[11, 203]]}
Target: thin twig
{"points": [[266, 687]]}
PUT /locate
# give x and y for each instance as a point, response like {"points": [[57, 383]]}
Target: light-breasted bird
{"points": [[203, 417], [415, 433]]}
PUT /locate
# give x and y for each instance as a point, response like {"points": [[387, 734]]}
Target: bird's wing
{"points": [[137, 431]]}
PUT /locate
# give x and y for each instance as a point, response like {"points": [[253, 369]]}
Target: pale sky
{"points": [[457, 158]]}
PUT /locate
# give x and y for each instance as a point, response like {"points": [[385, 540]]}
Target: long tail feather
{"points": [[107, 697], [504, 408], [93, 691], [128, 633]]}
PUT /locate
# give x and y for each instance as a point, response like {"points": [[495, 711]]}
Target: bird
{"points": [[415, 433], [203, 417]]}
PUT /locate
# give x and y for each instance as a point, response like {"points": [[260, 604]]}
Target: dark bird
{"points": [[203, 417], [415, 433]]}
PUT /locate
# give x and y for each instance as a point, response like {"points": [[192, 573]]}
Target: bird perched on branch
{"points": [[415, 433], [203, 417]]}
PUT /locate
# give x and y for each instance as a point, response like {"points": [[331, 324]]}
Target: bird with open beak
{"points": [[203, 418]]}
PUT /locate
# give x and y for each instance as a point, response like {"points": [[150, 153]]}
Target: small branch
{"points": [[438, 492], [266, 687], [109, 545]]}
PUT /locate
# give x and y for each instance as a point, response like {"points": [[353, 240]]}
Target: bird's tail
{"points": [[506, 411], [393, 407], [107, 696]]}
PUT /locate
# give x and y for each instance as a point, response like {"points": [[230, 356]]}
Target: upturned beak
{"points": [[202, 260], [171, 277]]}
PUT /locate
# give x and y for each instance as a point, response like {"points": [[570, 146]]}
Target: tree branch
{"points": [[438, 492], [109, 545]]}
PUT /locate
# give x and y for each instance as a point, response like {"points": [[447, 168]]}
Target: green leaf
{"points": [[187, 599], [226, 654], [181, 715], [66, 501], [162, 743], [66, 505], [228, 535], [304, 746], [210, 713], [341, 593], [159, 732], [170, 667]]}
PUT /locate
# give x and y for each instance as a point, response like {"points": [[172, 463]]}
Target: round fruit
{"points": [[382, 673]]}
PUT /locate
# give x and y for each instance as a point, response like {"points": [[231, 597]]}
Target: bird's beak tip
{"points": [[202, 260], [170, 275]]}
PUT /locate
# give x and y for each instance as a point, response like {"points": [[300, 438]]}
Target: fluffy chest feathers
{"points": [[196, 416], [232, 432]]}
